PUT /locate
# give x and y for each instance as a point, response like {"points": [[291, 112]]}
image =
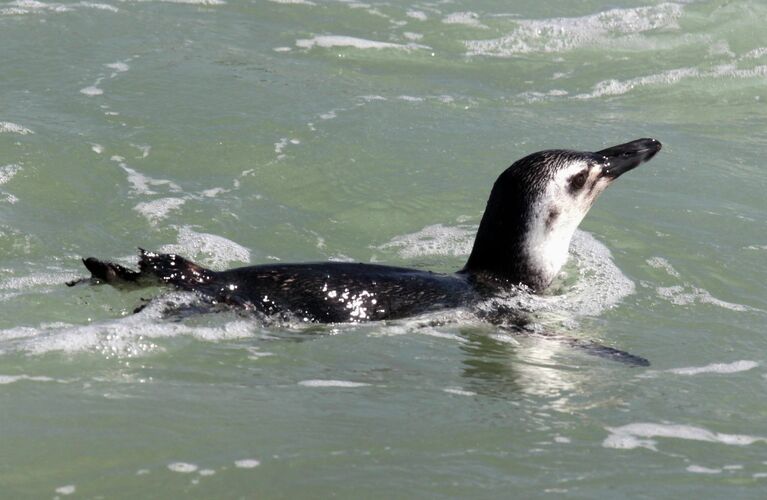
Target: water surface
{"points": [[261, 131]]}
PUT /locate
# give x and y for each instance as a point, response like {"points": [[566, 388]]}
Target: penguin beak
{"points": [[618, 160]]}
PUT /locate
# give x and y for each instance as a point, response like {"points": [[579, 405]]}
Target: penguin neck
{"points": [[519, 247]]}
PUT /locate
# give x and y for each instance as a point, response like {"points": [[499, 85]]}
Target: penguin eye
{"points": [[578, 180]]}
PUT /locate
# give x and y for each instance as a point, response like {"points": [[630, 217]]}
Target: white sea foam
{"points": [[141, 183], [661, 263], [216, 251], [34, 280], [331, 383], [119, 66], [92, 91], [330, 41], [640, 434], [7, 172], [66, 490], [614, 87], [698, 469], [567, 33], [143, 148], [684, 295], [465, 18], [413, 37], [14, 128], [126, 337], [436, 239], [156, 210], [458, 391], [295, 2], [10, 379], [247, 463], [718, 368], [189, 2], [99, 6], [417, 14], [182, 467]]}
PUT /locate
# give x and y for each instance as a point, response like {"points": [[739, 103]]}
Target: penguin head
{"points": [[538, 202]]}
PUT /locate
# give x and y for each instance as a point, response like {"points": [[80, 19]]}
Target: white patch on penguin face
{"points": [[557, 213]]}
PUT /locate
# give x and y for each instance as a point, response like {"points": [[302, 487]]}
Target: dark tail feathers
{"points": [[168, 268]]}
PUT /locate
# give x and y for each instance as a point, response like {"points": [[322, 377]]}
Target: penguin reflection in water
{"points": [[522, 243]]}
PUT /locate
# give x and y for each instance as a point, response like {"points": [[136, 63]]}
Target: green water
{"points": [[253, 132]]}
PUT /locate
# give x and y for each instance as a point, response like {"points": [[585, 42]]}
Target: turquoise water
{"points": [[264, 131]]}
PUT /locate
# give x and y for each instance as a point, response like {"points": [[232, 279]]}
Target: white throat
{"points": [[555, 217]]}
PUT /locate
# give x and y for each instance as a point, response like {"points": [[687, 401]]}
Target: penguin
{"points": [[522, 242]]}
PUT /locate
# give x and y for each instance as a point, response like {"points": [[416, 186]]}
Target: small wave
{"points": [[719, 368], [295, 2], [13, 128], [131, 336], [10, 379], [216, 251], [567, 33], [188, 2], [330, 41], [331, 383], [698, 469], [470, 19], [639, 435], [417, 14], [619, 87], [92, 91]]}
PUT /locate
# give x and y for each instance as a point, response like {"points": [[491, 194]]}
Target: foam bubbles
{"points": [[436, 239], [156, 210], [141, 183], [7, 172], [684, 295]]}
